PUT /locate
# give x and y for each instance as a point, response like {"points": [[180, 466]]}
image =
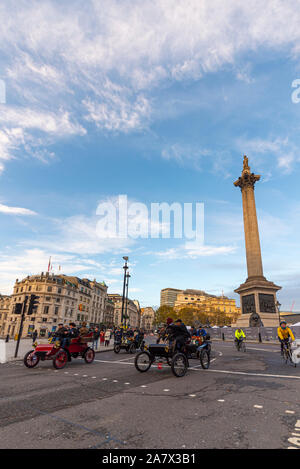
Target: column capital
{"points": [[247, 179]]}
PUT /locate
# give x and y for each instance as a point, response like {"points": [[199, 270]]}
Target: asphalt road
{"points": [[244, 400]]}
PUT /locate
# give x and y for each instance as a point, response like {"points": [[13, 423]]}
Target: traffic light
{"points": [[18, 308], [33, 302]]}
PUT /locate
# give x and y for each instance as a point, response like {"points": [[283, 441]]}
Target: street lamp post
{"points": [[126, 295], [125, 267], [278, 309]]}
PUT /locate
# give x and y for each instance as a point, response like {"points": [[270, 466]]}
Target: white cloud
{"points": [[194, 250], [15, 210], [262, 152], [103, 61]]}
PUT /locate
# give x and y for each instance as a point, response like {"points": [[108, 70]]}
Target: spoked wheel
{"points": [[89, 355], [143, 361], [179, 365], [31, 359], [117, 348], [205, 359], [60, 360], [169, 361], [132, 348]]}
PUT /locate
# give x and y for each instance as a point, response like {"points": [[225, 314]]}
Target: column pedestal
{"points": [[258, 303]]}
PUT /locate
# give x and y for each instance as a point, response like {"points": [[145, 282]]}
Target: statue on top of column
{"points": [[245, 164]]}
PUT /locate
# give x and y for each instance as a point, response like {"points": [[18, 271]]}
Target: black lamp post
{"points": [[278, 309], [126, 296], [125, 267]]}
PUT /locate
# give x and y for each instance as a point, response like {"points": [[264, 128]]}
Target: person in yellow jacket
{"points": [[239, 336], [284, 334]]}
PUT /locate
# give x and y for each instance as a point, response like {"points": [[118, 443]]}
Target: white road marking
{"points": [[110, 361], [124, 359], [289, 411], [294, 441], [248, 374], [297, 424], [166, 390], [143, 386], [221, 400], [192, 395], [258, 406]]}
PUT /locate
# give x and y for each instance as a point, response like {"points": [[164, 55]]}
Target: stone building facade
{"points": [[133, 310], [147, 319], [62, 299]]}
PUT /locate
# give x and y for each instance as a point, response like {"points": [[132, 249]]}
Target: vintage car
{"points": [[177, 360], [60, 356], [129, 344]]}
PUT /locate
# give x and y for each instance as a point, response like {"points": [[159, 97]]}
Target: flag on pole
{"points": [[49, 264]]}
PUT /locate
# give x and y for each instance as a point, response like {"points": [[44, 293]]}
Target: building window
{"points": [[44, 319], [49, 289], [46, 310], [59, 290], [56, 309]]}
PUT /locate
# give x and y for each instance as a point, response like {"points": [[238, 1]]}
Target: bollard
{"points": [[223, 336], [259, 337]]}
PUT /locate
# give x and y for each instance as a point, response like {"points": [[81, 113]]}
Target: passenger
{"points": [[83, 330], [162, 334]]}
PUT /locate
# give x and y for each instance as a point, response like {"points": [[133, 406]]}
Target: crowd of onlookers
{"points": [[100, 335]]}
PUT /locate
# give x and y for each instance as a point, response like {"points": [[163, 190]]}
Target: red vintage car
{"points": [[60, 356]]}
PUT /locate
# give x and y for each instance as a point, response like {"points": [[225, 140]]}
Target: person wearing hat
{"points": [[162, 330], [178, 333], [83, 330], [284, 334]]}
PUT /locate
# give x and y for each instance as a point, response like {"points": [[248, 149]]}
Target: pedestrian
{"points": [[96, 336], [102, 337], [107, 337], [7, 338], [34, 336]]}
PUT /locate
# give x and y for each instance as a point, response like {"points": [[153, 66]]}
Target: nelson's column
{"points": [[257, 294]]}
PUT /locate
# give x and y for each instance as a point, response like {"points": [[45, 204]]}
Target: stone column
{"points": [[253, 253], [257, 294]]}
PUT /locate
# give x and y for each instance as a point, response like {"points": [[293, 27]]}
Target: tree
{"points": [[164, 312], [187, 315]]}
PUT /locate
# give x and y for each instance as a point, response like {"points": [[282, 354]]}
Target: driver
{"points": [[178, 333], [284, 334]]}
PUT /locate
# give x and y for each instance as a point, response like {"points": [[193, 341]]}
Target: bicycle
{"points": [[287, 353], [240, 345]]}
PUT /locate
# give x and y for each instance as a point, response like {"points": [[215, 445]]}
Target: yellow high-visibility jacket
{"points": [[285, 333], [238, 334]]}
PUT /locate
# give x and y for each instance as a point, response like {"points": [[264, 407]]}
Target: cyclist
{"points": [[284, 334], [239, 337]]}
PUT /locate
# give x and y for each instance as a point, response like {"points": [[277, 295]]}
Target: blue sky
{"points": [[158, 101]]}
